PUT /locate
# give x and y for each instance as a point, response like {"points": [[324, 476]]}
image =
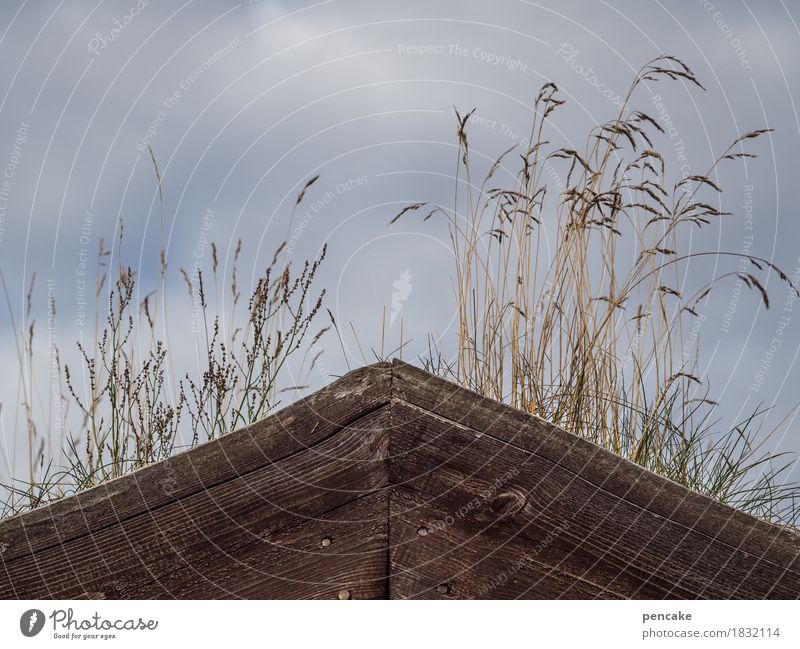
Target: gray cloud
{"points": [[242, 102]]}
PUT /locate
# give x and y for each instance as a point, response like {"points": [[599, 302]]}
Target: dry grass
{"points": [[590, 333], [132, 409]]}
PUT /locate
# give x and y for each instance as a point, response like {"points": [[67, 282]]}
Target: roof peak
{"points": [[393, 463]]}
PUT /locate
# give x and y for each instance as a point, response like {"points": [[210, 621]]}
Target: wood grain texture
{"points": [[289, 431], [605, 470], [494, 490], [393, 483], [291, 562], [435, 555], [131, 558]]}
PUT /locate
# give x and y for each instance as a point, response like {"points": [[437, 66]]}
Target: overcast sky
{"points": [[242, 102]]}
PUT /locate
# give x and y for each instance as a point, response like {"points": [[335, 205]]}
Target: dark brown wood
{"points": [[394, 483], [129, 556], [292, 562], [293, 429], [454, 561], [490, 489], [658, 495]]}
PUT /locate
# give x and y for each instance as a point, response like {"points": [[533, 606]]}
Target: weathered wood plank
{"points": [[289, 431], [488, 515], [434, 559], [661, 496], [465, 491], [124, 558], [617, 538], [341, 554]]}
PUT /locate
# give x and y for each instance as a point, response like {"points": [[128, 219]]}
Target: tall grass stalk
{"points": [[130, 409], [589, 333]]}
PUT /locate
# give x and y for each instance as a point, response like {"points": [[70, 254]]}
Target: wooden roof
{"points": [[391, 483]]}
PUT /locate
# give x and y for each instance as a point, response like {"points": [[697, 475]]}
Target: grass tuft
{"points": [[572, 302], [132, 411]]}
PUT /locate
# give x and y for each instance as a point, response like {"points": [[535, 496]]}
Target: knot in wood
{"points": [[504, 505]]}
